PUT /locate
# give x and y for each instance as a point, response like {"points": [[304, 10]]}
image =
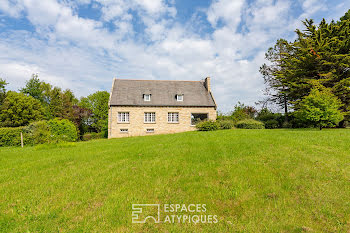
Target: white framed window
{"points": [[180, 97], [147, 97], [150, 117], [150, 130], [123, 117], [124, 130], [173, 117]]}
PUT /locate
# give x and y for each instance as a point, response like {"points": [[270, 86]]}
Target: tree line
{"points": [[39, 100], [311, 75]]}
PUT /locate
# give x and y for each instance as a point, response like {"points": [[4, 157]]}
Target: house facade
{"points": [[146, 107]]}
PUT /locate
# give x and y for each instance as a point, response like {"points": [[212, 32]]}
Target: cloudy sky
{"points": [[84, 44]]}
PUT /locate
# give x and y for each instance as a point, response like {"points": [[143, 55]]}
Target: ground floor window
{"points": [[173, 117], [150, 130], [124, 130], [150, 117], [123, 117], [197, 117]]}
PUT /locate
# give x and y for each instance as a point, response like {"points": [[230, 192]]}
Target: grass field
{"points": [[253, 180]]}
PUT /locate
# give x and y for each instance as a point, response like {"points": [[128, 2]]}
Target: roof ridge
{"points": [[157, 80]]}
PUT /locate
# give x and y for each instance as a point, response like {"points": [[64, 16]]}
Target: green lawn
{"points": [[253, 180]]}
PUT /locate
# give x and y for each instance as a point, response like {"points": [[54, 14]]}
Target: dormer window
{"points": [[147, 97], [180, 97]]}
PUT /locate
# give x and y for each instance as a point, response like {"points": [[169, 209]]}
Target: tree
{"points": [[19, 110], [320, 107], [3, 84], [321, 53], [98, 104], [275, 76], [33, 88]]}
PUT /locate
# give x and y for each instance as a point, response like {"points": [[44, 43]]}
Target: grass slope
{"points": [[253, 180]]}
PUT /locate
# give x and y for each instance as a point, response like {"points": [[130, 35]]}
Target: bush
{"points": [[91, 136], [207, 125], [62, 130], [226, 124], [12, 136], [250, 124], [39, 132], [271, 124]]}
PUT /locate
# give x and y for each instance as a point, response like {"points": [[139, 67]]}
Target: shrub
{"points": [[12, 136], [226, 124], [39, 132], [271, 124], [250, 124], [62, 130], [207, 125], [91, 136]]}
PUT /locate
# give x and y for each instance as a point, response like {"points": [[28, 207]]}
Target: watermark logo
{"points": [[172, 213], [143, 212]]}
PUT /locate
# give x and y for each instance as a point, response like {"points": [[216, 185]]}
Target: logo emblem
{"points": [[143, 212]]}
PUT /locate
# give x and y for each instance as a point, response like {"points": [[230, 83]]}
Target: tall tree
{"points": [[33, 88], [321, 53], [275, 76], [98, 104]]}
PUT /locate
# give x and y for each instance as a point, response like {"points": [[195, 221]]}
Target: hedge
{"points": [[250, 124], [207, 125], [40, 132], [226, 124], [12, 136]]}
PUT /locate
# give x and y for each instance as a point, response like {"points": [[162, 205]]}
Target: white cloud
{"points": [[84, 55], [226, 10]]}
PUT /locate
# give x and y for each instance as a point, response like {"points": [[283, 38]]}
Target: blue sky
{"points": [[82, 45]]}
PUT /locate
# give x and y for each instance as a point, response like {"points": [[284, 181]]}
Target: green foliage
{"points": [[226, 124], [242, 112], [98, 104], [62, 130], [19, 110], [270, 119], [39, 132], [3, 84], [12, 136], [33, 88], [91, 136], [207, 125], [321, 107], [271, 124], [320, 54], [250, 124]]}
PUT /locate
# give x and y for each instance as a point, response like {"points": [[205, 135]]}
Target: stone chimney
{"points": [[207, 83]]}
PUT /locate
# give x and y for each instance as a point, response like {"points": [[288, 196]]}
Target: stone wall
{"points": [[137, 126]]}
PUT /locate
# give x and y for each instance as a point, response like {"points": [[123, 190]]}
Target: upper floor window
{"points": [[180, 97], [173, 117], [123, 117], [150, 117], [147, 97]]}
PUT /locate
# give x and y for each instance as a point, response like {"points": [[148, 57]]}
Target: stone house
{"points": [[144, 107]]}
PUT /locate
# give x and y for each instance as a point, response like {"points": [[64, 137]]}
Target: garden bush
{"points": [[62, 130], [250, 124], [91, 136], [271, 124], [226, 124], [39, 132], [207, 125]]}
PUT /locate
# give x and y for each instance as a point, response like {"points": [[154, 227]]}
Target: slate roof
{"points": [[126, 92]]}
